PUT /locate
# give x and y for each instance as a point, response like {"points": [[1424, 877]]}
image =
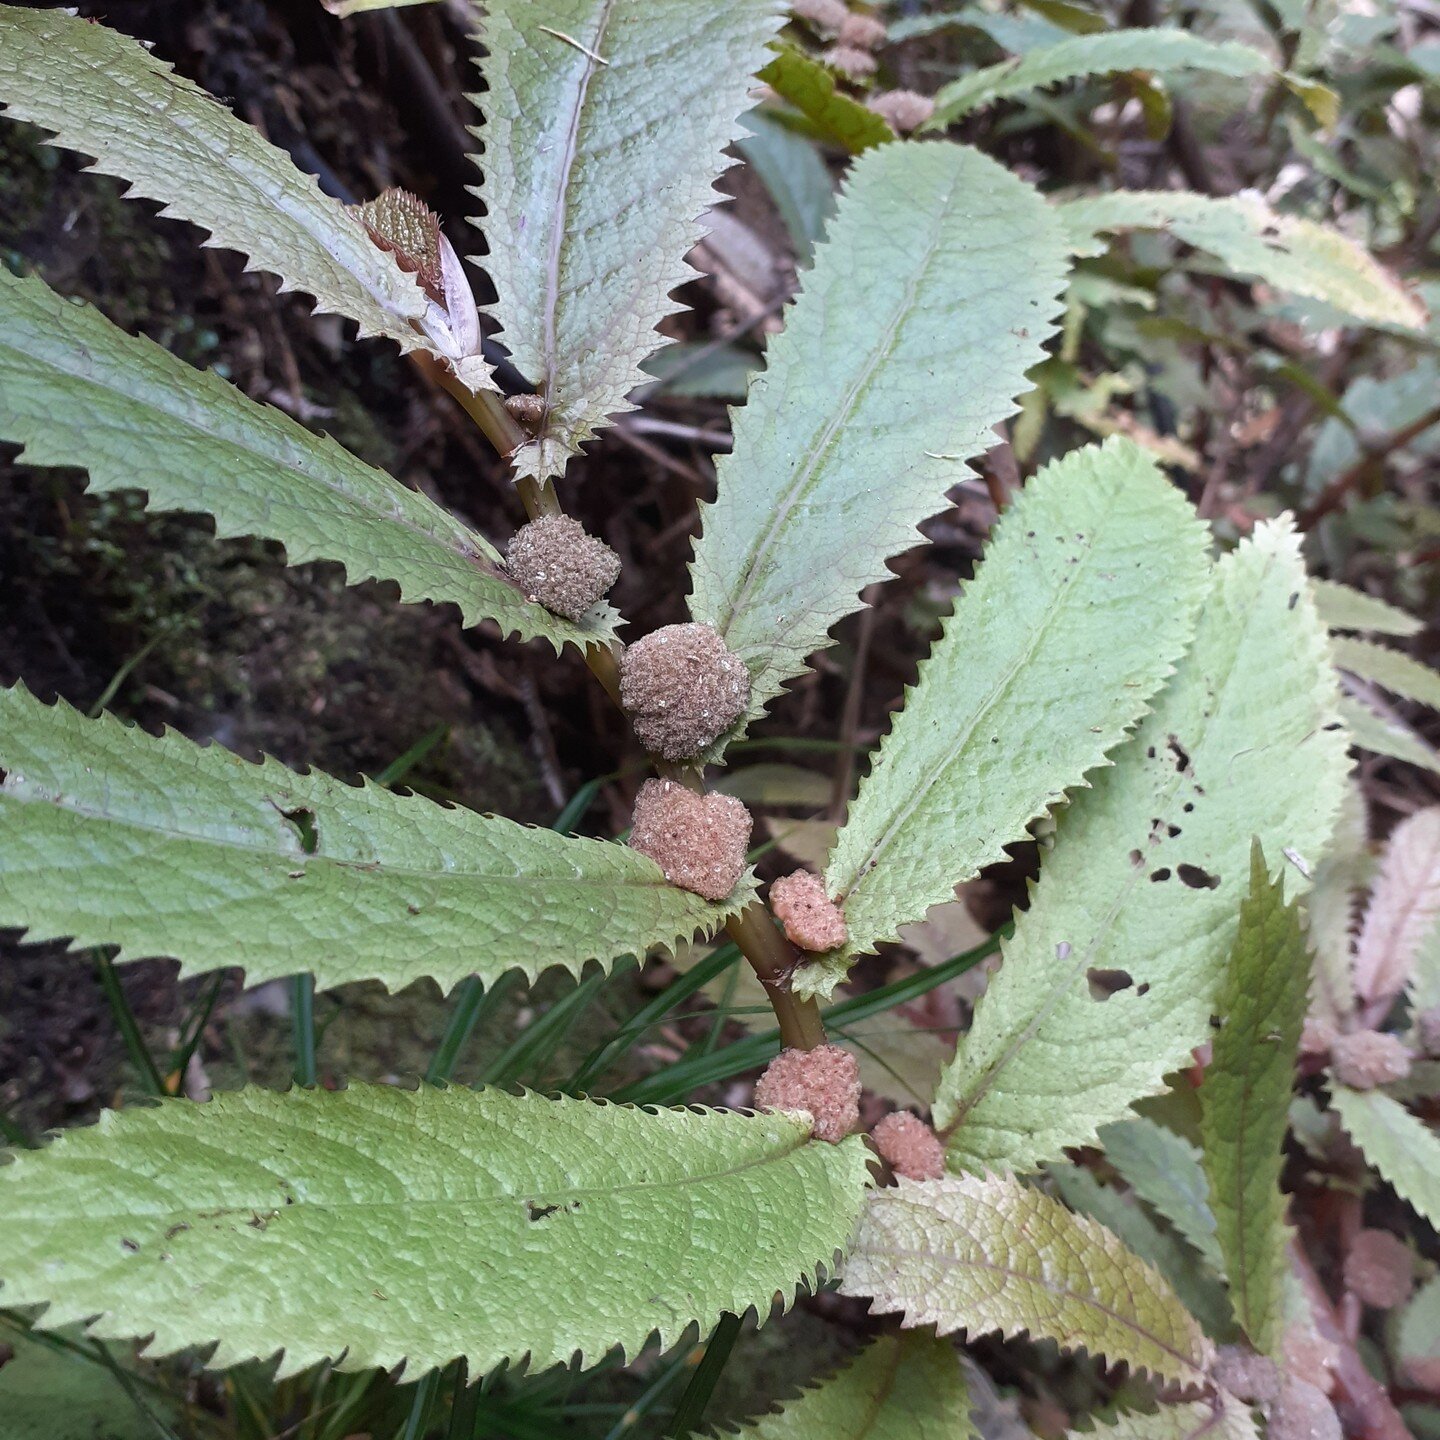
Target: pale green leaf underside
{"points": [[1250, 238], [930, 298], [1245, 1101], [1341, 607], [1372, 732], [907, 1387], [104, 95], [1390, 669], [986, 1253], [76, 390], [1103, 53], [596, 175], [162, 847], [1147, 873], [1219, 1418], [376, 1225], [1085, 599], [1400, 1146]]}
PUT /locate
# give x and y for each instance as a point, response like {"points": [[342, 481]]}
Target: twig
{"points": [[1375, 454]]}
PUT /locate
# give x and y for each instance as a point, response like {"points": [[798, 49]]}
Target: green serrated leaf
{"points": [[1043, 666], [106, 96], [986, 1253], [930, 298], [1147, 871], [1103, 53], [1219, 1418], [1389, 669], [1418, 1340], [1400, 1146], [1402, 920], [605, 127], [1164, 1170], [792, 171], [811, 88], [1250, 238], [374, 1225], [115, 837], [76, 390], [1381, 735], [907, 1387], [1245, 1100], [1341, 607]]}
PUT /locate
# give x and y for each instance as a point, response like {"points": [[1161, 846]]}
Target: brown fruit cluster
{"points": [[909, 1146], [902, 110], [852, 62], [560, 566], [864, 32], [824, 1081], [1253, 1378], [1367, 1058], [699, 841], [822, 14], [682, 688], [809, 917], [1379, 1269]]}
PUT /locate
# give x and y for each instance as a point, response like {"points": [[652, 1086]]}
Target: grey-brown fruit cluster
{"points": [[822, 14], [809, 917], [1379, 1269], [824, 1081], [560, 566], [699, 841], [682, 688], [851, 61], [902, 110]]}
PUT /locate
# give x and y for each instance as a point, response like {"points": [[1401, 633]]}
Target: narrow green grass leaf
{"points": [[811, 88], [76, 390], [1245, 1100], [1341, 607], [161, 847], [374, 1225], [1085, 599], [905, 1387], [1250, 238], [1404, 1150], [931, 296], [1145, 878], [605, 124], [1390, 669], [986, 1253], [1103, 53]]}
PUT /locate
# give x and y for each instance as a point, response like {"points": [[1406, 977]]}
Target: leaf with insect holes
{"points": [[75, 390], [378, 1225], [1403, 915], [1390, 669], [104, 95], [1399, 1145], [1341, 607], [987, 1253], [1144, 881], [1085, 599], [900, 1387], [1221, 1417], [1245, 1100], [1250, 238], [1079, 56], [114, 837], [812, 89], [931, 296], [605, 125]]}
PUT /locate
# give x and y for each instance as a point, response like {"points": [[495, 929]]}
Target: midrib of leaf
{"points": [[1063, 1292], [838, 418], [1059, 991]]}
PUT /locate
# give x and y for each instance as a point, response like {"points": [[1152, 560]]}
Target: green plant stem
{"points": [[302, 1023], [139, 1052], [691, 1409], [774, 960]]}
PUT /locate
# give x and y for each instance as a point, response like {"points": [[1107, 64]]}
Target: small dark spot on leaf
{"points": [[1187, 807], [1151, 752], [1136, 859], [1196, 878], [1182, 756], [175, 1230], [1143, 989], [1216, 1022], [1293, 601], [539, 1212], [1174, 830], [131, 1245], [1105, 983], [1162, 873]]}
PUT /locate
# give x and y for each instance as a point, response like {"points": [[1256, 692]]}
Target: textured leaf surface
{"points": [[1394, 671], [907, 1387], [929, 300], [106, 96], [1404, 912], [1383, 736], [1148, 870], [985, 1253], [375, 1225], [605, 123], [1102, 53], [1245, 1100], [1343, 608], [1220, 1418], [1086, 598], [1250, 238], [810, 87], [1404, 1150], [162, 847], [76, 390]]}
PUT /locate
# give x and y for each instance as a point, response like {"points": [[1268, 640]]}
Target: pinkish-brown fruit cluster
{"points": [[822, 14], [825, 1081], [902, 110], [864, 32], [1303, 1412], [1253, 1378], [1379, 1269], [682, 688], [809, 917], [852, 62], [1427, 1032], [557, 564], [1367, 1058], [909, 1146], [699, 841]]}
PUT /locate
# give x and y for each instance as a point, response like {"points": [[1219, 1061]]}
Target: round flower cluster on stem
{"points": [[824, 1081], [682, 688], [809, 917], [557, 564], [699, 841], [909, 1146]]}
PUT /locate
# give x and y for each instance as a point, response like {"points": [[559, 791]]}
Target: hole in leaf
{"points": [[1196, 878], [1162, 873], [1105, 983], [539, 1212], [302, 821], [1182, 756]]}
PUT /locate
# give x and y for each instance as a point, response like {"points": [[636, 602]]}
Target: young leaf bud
{"points": [[902, 110], [806, 913], [864, 32], [1368, 1058], [1379, 1269], [826, 1082], [682, 689], [557, 564], [699, 841], [853, 64], [909, 1146], [529, 410]]}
